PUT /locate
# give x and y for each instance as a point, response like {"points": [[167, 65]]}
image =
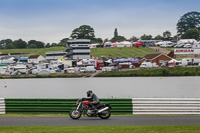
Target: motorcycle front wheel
{"points": [[105, 114], [75, 114]]}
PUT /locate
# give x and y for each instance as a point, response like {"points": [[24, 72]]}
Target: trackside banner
{"points": [[186, 51]]}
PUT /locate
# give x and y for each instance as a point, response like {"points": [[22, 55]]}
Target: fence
{"points": [[119, 106], [2, 106], [166, 105]]}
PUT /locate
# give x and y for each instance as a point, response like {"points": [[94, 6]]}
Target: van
{"points": [[146, 65], [90, 69], [71, 70]]}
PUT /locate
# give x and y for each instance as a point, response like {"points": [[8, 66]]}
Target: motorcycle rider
{"points": [[94, 100]]}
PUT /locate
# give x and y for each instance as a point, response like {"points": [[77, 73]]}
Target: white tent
{"points": [[124, 44], [187, 41]]}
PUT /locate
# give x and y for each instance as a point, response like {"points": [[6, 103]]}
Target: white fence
{"points": [[2, 106], [166, 105]]}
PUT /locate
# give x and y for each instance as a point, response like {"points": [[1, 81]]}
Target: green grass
{"points": [[96, 52], [57, 75], [121, 52], [102, 129], [185, 71], [38, 51]]}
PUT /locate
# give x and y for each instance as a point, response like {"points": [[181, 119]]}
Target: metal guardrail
{"points": [[166, 105], [2, 106], [119, 106]]}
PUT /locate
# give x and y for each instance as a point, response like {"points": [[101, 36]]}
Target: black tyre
{"points": [[75, 114], [105, 114]]}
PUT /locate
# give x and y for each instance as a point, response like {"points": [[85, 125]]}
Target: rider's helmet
{"points": [[89, 93]]}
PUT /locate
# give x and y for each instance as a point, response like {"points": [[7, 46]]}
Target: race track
{"points": [[112, 121]]}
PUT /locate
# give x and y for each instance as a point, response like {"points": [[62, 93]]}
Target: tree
{"points": [[115, 33], [6, 43], [146, 37], [158, 37], [37, 43], [134, 39], [118, 38], [54, 44], [19, 44], [188, 21], [83, 32], [32, 46], [47, 45], [63, 42], [167, 35], [97, 40], [191, 34]]}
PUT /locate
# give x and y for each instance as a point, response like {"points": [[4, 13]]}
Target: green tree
{"points": [[167, 35], [158, 37], [97, 40], [6, 43], [146, 37], [63, 42], [191, 34], [133, 38], [115, 33], [37, 43], [20, 44], [188, 21], [47, 45], [118, 38], [32, 46], [83, 32], [54, 44]]}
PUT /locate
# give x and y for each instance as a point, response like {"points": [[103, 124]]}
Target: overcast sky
{"points": [[53, 20]]}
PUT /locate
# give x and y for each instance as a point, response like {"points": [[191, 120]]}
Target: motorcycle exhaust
{"points": [[103, 109]]}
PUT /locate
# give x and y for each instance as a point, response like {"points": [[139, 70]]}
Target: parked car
{"points": [[82, 70], [187, 46]]}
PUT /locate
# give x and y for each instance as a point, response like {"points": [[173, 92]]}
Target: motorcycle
{"points": [[103, 110]]}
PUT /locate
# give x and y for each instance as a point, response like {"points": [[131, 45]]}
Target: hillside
{"points": [[121, 52], [95, 52]]}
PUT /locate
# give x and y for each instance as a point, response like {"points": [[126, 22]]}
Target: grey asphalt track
{"points": [[112, 121]]}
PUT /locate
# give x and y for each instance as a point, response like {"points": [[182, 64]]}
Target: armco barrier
{"points": [[119, 106], [166, 105], [2, 106]]}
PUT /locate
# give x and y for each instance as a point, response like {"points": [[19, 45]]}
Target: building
{"points": [[157, 58], [78, 49], [36, 59], [55, 55]]}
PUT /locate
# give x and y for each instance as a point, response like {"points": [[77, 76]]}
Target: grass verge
{"points": [[60, 75], [184, 71], [102, 129]]}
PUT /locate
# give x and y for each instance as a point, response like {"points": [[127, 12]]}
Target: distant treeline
{"points": [[21, 44]]}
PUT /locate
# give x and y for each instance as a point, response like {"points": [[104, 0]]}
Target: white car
{"points": [[187, 46], [82, 70]]}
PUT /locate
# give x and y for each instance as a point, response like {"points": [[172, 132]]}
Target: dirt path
{"points": [[160, 50]]}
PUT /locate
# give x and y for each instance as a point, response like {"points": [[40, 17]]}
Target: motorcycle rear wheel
{"points": [[75, 114], [105, 114]]}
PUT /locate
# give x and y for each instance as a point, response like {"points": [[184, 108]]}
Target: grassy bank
{"points": [[121, 52], [38, 51], [60, 75], [103, 129], [186, 71]]}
